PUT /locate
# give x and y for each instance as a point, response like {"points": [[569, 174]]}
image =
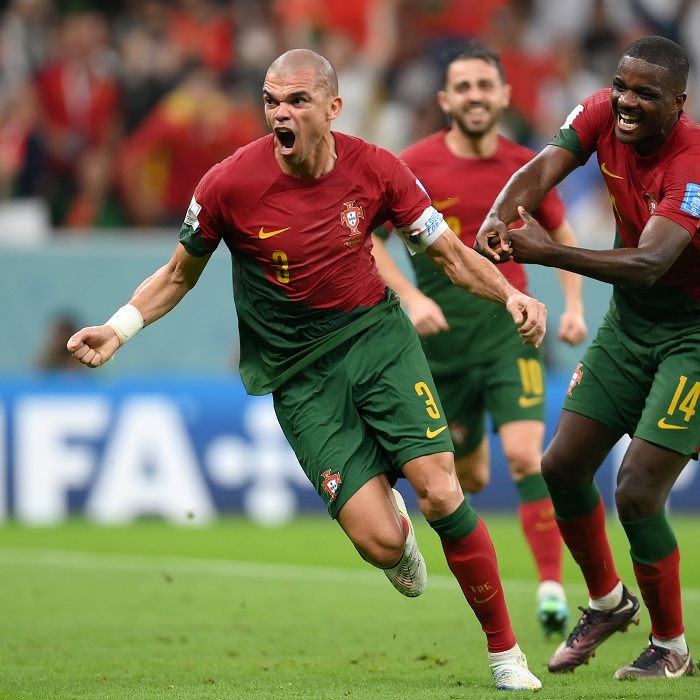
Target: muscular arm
{"points": [[527, 188], [425, 314], [472, 272], [660, 244], [166, 287], [154, 297]]}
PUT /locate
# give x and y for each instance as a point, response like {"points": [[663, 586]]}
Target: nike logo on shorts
{"points": [[430, 434], [668, 426], [530, 401]]}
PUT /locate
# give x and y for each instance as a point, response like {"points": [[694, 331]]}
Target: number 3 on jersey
{"points": [[281, 265]]}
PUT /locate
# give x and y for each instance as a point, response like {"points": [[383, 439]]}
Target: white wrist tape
{"points": [[126, 323]]}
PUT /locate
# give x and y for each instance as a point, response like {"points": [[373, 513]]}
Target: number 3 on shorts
{"points": [[422, 389]]}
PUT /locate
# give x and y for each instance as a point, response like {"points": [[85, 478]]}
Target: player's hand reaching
{"points": [[426, 315], [93, 346], [530, 242], [530, 316], [493, 240], [572, 328]]}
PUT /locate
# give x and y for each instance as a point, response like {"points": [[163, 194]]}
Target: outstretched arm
{"points": [[527, 188], [425, 314], [469, 270], [154, 297], [660, 244]]}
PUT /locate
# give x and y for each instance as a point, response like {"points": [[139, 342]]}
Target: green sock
{"points": [[569, 505], [651, 539], [532, 488], [456, 525]]}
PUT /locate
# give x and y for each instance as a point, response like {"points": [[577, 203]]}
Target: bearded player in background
{"points": [[478, 361]]}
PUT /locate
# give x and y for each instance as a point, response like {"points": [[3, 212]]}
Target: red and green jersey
{"points": [[665, 183], [303, 273], [464, 189]]}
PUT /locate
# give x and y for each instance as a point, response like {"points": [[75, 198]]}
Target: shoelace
{"points": [[649, 657], [582, 624]]}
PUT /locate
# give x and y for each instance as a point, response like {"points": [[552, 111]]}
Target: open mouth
{"points": [[286, 139], [627, 122]]}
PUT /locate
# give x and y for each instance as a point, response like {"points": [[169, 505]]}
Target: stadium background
{"points": [[166, 428]]}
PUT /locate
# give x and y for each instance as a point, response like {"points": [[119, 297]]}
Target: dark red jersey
{"points": [[304, 275], [464, 189], [665, 183]]}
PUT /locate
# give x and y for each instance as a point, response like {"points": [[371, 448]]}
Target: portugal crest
{"points": [[331, 483], [576, 378], [350, 217]]}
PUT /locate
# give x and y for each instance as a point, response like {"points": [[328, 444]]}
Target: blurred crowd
{"points": [[112, 110]]}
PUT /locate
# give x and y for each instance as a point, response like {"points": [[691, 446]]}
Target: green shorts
{"points": [[647, 391], [365, 408], [509, 386]]}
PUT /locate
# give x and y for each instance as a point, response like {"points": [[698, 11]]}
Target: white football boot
{"points": [[409, 575]]}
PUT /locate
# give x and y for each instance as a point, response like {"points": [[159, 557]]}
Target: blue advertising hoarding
{"points": [[187, 449]]}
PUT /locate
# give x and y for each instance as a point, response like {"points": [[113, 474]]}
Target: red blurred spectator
{"points": [[189, 131], [79, 103], [18, 115], [526, 66], [95, 204], [151, 63], [304, 20], [440, 19], [203, 31]]}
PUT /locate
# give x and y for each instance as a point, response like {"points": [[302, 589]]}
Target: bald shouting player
{"points": [[321, 332]]}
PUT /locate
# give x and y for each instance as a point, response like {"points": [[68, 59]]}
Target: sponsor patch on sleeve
{"points": [[192, 214], [691, 199]]}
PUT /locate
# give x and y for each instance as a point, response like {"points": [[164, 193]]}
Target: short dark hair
{"points": [[660, 51], [473, 49]]}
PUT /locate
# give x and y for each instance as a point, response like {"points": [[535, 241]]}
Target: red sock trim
{"points": [[660, 586], [472, 560], [588, 543], [543, 536]]}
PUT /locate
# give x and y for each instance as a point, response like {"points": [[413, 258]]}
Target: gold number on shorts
{"points": [[531, 376], [687, 405], [279, 257], [431, 407]]}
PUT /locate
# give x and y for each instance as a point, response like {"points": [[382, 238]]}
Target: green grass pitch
{"points": [[232, 610]]}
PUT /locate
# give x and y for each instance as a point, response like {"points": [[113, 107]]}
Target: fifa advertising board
{"points": [[186, 449]]}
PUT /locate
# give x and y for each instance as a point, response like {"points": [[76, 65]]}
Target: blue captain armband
{"points": [[423, 232]]}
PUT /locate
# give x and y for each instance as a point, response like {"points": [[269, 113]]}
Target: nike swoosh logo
{"points": [[667, 426], [627, 606], [268, 234], [442, 204], [485, 600], [430, 434], [607, 172], [528, 402], [680, 672]]}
